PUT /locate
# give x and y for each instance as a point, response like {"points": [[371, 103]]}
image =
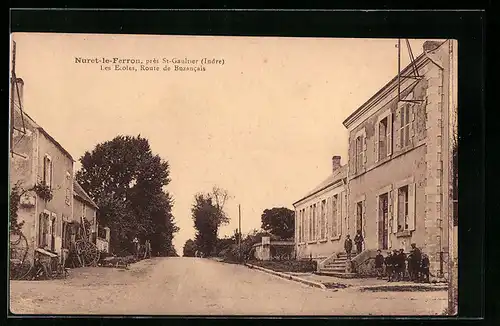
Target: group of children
{"points": [[399, 266]]}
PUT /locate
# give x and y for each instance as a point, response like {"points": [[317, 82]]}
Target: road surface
{"points": [[196, 286]]}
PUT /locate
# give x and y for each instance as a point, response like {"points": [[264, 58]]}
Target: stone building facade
{"points": [[397, 180], [399, 154], [37, 158], [321, 216]]}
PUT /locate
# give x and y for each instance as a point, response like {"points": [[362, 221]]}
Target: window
{"points": [[303, 225], [43, 230], [299, 226], [67, 183], [359, 216], [404, 131], [385, 137], [84, 210], [47, 171], [403, 208], [313, 222], [323, 219], [359, 153], [333, 217], [310, 222]]}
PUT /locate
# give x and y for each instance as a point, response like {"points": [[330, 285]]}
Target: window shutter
{"points": [[363, 141], [340, 213], [395, 211], [309, 228], [338, 216], [377, 226], [45, 170], [412, 122], [344, 212], [389, 134], [363, 219], [352, 157], [411, 207], [397, 128], [377, 140]]}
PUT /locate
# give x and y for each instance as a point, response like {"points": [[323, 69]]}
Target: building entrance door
{"points": [[383, 225]]}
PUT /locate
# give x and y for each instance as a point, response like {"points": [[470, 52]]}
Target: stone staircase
{"points": [[337, 267]]}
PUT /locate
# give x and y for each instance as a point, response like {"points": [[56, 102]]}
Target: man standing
{"points": [[348, 246], [402, 264], [389, 266], [424, 269], [395, 265], [358, 240], [379, 264], [136, 247], [416, 257]]}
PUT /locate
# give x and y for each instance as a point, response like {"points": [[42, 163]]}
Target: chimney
{"points": [[18, 92], [335, 163]]}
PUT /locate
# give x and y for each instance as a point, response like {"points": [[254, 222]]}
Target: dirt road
{"points": [[195, 286]]}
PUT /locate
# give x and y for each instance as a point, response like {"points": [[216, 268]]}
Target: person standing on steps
{"points": [[358, 240], [348, 246]]}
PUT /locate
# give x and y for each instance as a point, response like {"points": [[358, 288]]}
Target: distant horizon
{"points": [[263, 126]]}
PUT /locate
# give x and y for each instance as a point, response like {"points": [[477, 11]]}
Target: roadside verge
{"points": [[288, 276]]}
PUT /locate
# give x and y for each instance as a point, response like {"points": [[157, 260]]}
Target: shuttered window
{"points": [[47, 171], [333, 229]]}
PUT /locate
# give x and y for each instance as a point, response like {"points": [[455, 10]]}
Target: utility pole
{"points": [[12, 94], [239, 230]]}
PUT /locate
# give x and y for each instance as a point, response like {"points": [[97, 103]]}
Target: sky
{"points": [[263, 125]]}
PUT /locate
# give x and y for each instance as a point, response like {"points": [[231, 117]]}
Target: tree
{"points": [[208, 216], [189, 249], [279, 221], [127, 182]]}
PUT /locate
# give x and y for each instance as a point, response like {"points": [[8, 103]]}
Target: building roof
{"points": [[65, 152], [43, 131], [333, 178], [421, 60], [82, 195]]}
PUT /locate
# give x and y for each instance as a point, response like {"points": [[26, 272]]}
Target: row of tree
{"points": [[127, 181], [208, 216]]}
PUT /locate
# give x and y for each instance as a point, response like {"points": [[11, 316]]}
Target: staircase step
{"points": [[337, 274], [336, 265], [332, 269]]}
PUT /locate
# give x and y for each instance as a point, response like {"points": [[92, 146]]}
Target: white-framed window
{"points": [[311, 224], [404, 129], [314, 208], [404, 207], [323, 219], [303, 224], [359, 153], [47, 171], [383, 137], [67, 183], [84, 210], [333, 217], [359, 215], [43, 229]]}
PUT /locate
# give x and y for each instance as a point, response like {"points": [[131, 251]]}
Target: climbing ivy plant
{"points": [[16, 193]]}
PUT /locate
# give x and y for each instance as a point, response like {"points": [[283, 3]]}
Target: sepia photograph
{"points": [[169, 175]]}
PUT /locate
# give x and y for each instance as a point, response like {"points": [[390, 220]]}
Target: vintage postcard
{"points": [[214, 175]]}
